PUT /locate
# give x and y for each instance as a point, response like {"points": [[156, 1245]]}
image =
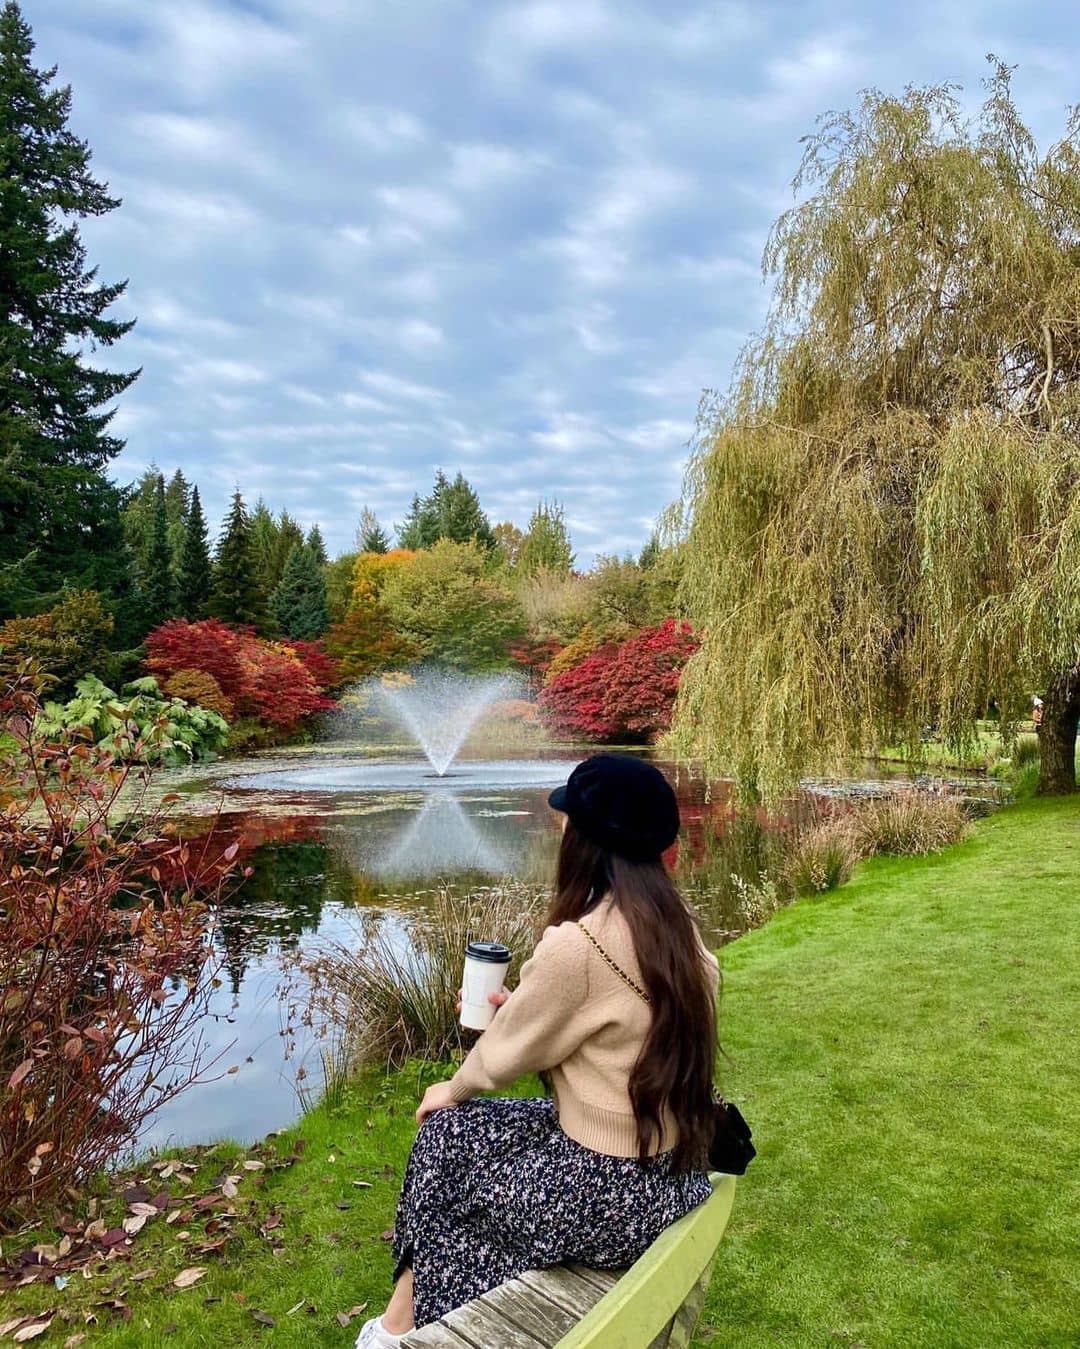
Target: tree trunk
{"points": [[1057, 736]]}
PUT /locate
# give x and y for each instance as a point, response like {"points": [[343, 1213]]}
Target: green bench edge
{"points": [[652, 1291]]}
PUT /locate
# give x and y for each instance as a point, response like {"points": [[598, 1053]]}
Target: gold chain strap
{"points": [[618, 970]]}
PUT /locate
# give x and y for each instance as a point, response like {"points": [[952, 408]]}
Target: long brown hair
{"points": [[674, 1070]]}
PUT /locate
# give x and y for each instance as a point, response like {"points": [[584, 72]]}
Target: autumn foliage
{"points": [[621, 691], [277, 683], [105, 934]]}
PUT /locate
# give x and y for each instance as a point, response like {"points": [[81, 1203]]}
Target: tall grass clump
{"points": [[823, 857], [908, 824], [1025, 751], [395, 997]]}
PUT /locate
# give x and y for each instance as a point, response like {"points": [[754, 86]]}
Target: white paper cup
{"points": [[486, 963]]}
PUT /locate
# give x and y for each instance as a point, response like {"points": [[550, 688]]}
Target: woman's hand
{"points": [[437, 1097], [496, 999]]}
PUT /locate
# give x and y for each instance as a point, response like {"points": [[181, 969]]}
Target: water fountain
{"points": [[437, 710]]}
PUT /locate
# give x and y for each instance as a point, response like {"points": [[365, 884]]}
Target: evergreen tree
{"points": [[138, 519], [371, 537], [315, 545], [546, 546], [196, 578], [452, 511], [157, 589], [238, 594], [177, 505], [289, 536], [264, 543], [61, 514], [299, 602]]}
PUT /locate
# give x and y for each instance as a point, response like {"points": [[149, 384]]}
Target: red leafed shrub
{"points": [[105, 938], [320, 665], [573, 703], [266, 680], [643, 679], [622, 692]]}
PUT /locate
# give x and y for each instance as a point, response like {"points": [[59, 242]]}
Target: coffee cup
{"points": [[486, 963]]}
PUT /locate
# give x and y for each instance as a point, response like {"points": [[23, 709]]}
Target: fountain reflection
{"points": [[442, 840]]}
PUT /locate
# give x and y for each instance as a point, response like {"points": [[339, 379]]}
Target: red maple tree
{"points": [[624, 692]]}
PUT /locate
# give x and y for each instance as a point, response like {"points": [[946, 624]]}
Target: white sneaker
{"points": [[373, 1336]]}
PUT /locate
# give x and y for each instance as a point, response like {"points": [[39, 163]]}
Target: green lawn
{"points": [[906, 1051]]}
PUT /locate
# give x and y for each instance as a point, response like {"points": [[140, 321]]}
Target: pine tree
{"points": [[546, 546], [196, 578], [158, 590], [177, 504], [138, 518], [289, 536], [238, 595], [371, 537], [452, 511], [264, 543], [315, 545], [299, 602], [61, 513]]}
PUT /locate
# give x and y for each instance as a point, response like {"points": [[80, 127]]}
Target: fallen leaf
{"points": [[174, 1216], [296, 1307], [134, 1225], [7, 1326], [362, 1184], [187, 1277], [95, 1230], [254, 1166], [388, 1235], [141, 1210], [32, 1331], [73, 1341], [343, 1318], [228, 1186], [143, 1274], [263, 1319]]}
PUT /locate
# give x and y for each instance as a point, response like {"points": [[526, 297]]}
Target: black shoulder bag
{"points": [[732, 1149]]}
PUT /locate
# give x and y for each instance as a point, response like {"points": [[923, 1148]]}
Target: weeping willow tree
{"points": [[882, 517]]}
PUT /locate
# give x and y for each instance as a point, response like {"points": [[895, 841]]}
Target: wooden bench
{"points": [[654, 1303]]}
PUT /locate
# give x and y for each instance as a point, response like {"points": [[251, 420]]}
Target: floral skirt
{"points": [[494, 1187]]}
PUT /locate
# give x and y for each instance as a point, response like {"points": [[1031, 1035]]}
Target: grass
{"points": [[904, 1048]]}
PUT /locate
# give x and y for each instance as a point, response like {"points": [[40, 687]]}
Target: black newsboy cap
{"points": [[622, 804]]}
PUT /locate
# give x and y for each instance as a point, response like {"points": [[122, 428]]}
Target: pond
{"points": [[341, 837]]}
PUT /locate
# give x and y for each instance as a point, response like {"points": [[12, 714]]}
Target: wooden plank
{"points": [[545, 1320], [650, 1293], [435, 1336], [484, 1325], [565, 1289], [604, 1279]]}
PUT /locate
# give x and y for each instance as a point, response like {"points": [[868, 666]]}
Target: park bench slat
{"points": [[565, 1288], [533, 1311], [653, 1305]]}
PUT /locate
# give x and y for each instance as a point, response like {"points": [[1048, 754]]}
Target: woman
{"points": [[616, 1008]]}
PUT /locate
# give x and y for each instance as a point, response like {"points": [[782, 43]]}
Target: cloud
{"points": [[518, 238]]}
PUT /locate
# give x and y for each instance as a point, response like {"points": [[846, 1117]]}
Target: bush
{"points": [[1025, 751], [909, 823], [196, 686], [621, 692], [64, 643], [822, 858], [105, 933], [138, 726], [261, 679], [388, 1002]]}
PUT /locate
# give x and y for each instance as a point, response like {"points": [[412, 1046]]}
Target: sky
{"points": [[366, 239]]}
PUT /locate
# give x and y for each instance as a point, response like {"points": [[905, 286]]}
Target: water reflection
{"points": [[443, 840]]}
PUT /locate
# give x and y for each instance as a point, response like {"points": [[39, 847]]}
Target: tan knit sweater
{"points": [[572, 1016]]}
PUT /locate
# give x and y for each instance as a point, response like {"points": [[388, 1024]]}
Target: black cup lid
{"points": [[492, 951]]}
